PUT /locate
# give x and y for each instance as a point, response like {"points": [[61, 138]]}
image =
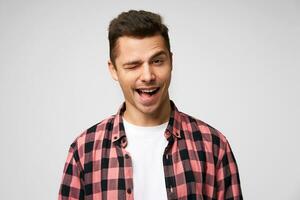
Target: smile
{"points": [[149, 92]]}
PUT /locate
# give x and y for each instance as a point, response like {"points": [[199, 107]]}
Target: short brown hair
{"points": [[137, 24]]}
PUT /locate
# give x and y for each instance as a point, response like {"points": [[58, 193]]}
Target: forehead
{"points": [[139, 48]]}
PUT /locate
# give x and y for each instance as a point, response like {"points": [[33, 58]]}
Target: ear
{"points": [[113, 70], [171, 60]]}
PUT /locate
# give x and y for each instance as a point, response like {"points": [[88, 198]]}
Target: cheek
{"points": [[166, 76], [126, 82]]}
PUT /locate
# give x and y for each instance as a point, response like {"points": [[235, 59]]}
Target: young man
{"points": [[148, 150]]}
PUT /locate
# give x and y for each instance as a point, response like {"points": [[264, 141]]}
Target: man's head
{"points": [[141, 62], [138, 24]]}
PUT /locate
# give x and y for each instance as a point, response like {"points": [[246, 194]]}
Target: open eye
{"points": [[158, 61]]}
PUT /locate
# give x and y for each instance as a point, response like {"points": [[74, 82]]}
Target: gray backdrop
{"points": [[236, 67]]}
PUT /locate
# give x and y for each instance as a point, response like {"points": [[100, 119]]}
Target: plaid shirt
{"points": [[198, 162]]}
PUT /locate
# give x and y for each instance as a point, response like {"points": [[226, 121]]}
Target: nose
{"points": [[147, 74]]}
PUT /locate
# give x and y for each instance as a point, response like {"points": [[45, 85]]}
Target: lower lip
{"points": [[148, 100]]}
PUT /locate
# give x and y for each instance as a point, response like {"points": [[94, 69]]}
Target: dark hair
{"points": [[137, 24]]}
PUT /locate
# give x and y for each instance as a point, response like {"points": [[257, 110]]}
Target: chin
{"points": [[149, 110]]}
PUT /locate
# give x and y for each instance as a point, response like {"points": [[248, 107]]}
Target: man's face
{"points": [[143, 69]]}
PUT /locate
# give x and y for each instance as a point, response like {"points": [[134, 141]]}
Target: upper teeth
{"points": [[148, 90]]}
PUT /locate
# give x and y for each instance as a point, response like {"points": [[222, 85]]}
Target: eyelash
{"points": [[131, 67], [160, 61]]}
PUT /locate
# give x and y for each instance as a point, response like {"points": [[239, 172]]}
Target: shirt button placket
{"points": [[170, 186], [128, 174], [129, 190]]}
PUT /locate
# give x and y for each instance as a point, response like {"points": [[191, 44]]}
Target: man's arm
{"points": [[72, 182], [228, 179]]}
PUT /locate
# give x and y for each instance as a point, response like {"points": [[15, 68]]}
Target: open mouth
{"points": [[148, 92]]}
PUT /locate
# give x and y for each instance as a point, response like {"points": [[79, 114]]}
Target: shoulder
{"points": [[198, 130], [86, 140]]}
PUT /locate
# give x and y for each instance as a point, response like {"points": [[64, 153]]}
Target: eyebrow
{"points": [[136, 62], [162, 52]]}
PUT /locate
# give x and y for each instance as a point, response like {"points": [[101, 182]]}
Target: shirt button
{"points": [[126, 156], [116, 137], [129, 190]]}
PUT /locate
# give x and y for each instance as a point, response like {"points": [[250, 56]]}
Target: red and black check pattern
{"points": [[198, 162]]}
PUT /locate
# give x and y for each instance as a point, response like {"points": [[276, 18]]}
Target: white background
{"points": [[236, 67]]}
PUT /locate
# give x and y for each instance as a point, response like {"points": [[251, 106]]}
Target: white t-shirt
{"points": [[146, 146]]}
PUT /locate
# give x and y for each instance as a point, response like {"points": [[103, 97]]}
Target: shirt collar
{"points": [[173, 128]]}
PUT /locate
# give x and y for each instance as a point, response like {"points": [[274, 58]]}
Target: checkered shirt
{"points": [[198, 162]]}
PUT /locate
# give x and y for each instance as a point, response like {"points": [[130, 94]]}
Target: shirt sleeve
{"points": [[228, 180], [71, 187]]}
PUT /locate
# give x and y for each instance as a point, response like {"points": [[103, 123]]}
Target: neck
{"points": [[158, 117]]}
